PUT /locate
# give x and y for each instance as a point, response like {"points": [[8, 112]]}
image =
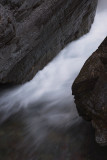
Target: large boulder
{"points": [[90, 90], [32, 32]]}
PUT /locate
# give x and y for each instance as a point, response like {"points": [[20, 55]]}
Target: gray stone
{"points": [[33, 33]]}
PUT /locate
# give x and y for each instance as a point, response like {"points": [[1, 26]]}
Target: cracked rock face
{"points": [[7, 27], [33, 32], [90, 90]]}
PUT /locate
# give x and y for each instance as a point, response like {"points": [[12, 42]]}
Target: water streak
{"points": [[47, 98]]}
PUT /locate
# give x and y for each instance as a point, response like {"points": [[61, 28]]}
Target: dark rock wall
{"points": [[32, 32], [90, 90]]}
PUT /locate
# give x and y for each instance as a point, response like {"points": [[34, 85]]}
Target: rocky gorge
{"points": [[33, 32], [39, 119]]}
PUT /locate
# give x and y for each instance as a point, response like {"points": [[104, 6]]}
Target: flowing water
{"points": [[42, 116]]}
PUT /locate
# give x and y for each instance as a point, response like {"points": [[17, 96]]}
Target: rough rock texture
{"points": [[90, 90], [32, 32]]}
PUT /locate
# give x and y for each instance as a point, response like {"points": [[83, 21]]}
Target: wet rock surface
{"points": [[33, 32], [90, 90], [76, 143]]}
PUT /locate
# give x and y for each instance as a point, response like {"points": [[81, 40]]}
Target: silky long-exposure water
{"points": [[47, 100]]}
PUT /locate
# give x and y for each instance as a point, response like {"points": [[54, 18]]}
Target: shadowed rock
{"points": [[90, 90], [33, 32]]}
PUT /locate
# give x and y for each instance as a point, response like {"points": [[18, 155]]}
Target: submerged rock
{"points": [[33, 32], [76, 143], [90, 90]]}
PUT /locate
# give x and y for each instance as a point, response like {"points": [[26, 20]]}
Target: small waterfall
{"points": [[47, 99]]}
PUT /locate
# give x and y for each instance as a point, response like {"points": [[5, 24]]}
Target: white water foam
{"points": [[47, 97]]}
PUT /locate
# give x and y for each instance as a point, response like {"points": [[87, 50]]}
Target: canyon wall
{"points": [[90, 90], [32, 33]]}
